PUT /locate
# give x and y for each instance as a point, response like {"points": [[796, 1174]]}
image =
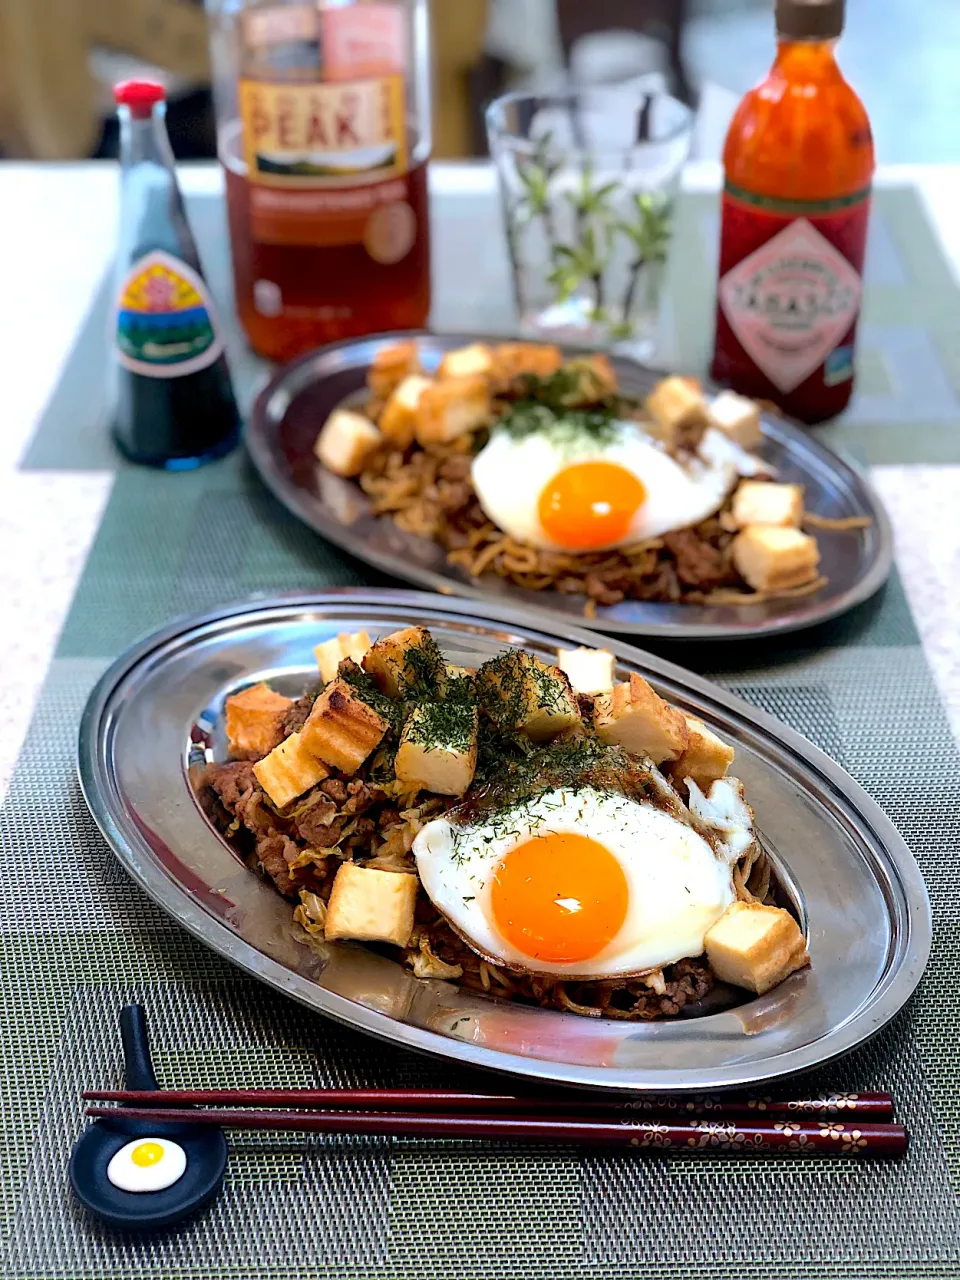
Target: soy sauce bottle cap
{"points": [[810, 19], [141, 96]]}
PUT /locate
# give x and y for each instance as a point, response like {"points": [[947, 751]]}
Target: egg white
{"points": [[509, 475], [724, 814], [128, 1176], [677, 885]]}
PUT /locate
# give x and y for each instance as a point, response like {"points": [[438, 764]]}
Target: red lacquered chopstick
{"points": [[792, 1137], [876, 1107]]}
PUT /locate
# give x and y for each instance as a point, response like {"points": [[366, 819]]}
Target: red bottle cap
{"points": [[139, 95]]}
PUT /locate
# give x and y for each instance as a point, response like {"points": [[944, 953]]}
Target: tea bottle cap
{"points": [[810, 19]]}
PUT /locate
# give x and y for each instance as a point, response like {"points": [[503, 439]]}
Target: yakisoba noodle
{"points": [[637, 998], [711, 526], [428, 493], [362, 820]]}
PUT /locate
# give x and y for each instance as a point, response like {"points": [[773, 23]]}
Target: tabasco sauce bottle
{"points": [[798, 165], [324, 135]]}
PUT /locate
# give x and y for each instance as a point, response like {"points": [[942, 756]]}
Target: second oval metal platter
{"points": [[294, 405], [157, 714]]}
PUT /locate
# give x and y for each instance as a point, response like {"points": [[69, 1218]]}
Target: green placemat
{"points": [[77, 939], [906, 407]]}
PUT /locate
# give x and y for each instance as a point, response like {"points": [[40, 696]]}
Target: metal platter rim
{"points": [[135, 855], [305, 508]]}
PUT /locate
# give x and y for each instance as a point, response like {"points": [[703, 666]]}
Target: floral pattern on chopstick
{"points": [[801, 1137]]}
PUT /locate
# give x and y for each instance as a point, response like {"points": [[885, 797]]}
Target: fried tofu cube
{"points": [[589, 670], [754, 946], [289, 770], [675, 404], [737, 417], [331, 653], [592, 379], [347, 442], [452, 408], [772, 558], [763, 502], [399, 416], [407, 662], [341, 729], [466, 361], [635, 717], [438, 746], [705, 758], [254, 721], [390, 366], [511, 360], [371, 906], [521, 693]]}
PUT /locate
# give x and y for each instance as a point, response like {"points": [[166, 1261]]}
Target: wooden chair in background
{"points": [[51, 104]]}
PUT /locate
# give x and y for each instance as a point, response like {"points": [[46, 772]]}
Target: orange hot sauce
{"points": [[798, 164]]}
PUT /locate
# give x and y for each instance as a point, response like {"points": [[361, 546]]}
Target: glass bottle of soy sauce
{"points": [[173, 405]]}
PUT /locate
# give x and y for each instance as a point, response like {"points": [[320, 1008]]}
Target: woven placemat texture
{"points": [[77, 939]]}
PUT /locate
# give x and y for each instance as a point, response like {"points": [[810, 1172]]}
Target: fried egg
{"points": [[147, 1164], [578, 883], [725, 814], [563, 494]]}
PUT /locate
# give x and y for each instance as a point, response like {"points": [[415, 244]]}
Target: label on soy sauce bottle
{"points": [[165, 321]]}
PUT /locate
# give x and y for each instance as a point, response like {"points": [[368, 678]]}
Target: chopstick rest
{"points": [[147, 1171]]}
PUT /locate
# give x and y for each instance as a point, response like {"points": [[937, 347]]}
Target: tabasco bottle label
{"points": [[324, 127], [165, 322], [790, 283]]}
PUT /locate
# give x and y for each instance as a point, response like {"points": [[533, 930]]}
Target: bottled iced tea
{"points": [[324, 136], [798, 166]]}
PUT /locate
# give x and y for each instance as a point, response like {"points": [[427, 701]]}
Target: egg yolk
{"points": [[559, 897], [146, 1154], [590, 504]]}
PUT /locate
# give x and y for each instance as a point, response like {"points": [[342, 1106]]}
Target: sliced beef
{"points": [[275, 852], [699, 564], [686, 981], [296, 716], [236, 786], [456, 467], [336, 789], [586, 704], [661, 585], [240, 793], [363, 831], [360, 797], [231, 782], [316, 822]]}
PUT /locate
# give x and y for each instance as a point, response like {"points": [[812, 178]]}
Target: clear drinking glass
{"points": [[588, 179]]}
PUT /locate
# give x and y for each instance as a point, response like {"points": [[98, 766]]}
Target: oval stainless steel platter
{"points": [[157, 713], [291, 409]]}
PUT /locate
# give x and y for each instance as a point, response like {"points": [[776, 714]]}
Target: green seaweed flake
{"points": [[424, 670], [505, 684], [447, 723], [569, 405], [368, 691]]}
